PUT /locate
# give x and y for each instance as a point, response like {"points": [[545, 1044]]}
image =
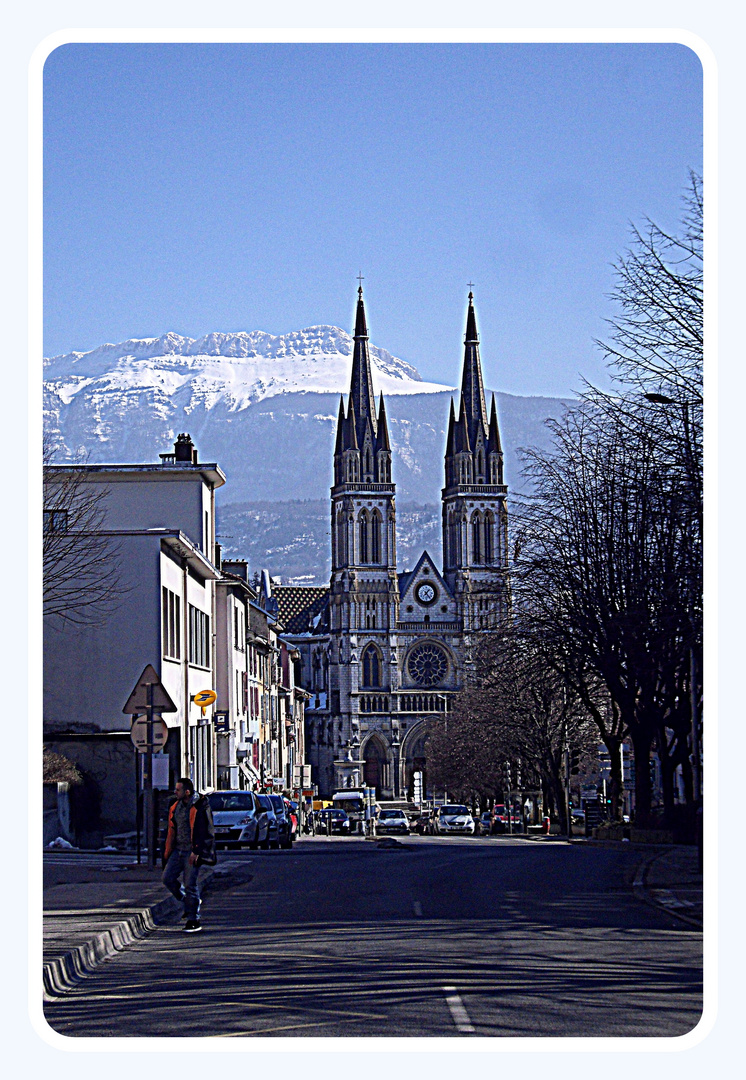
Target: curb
{"points": [[65, 972], [640, 890]]}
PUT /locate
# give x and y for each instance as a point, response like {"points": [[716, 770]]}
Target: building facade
{"points": [[385, 650]]}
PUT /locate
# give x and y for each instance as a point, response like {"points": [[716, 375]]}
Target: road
{"points": [[430, 937]]}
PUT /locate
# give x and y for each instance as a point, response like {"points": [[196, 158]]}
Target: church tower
{"points": [[475, 554], [364, 591]]}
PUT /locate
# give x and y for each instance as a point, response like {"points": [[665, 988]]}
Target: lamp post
{"points": [[395, 746]]}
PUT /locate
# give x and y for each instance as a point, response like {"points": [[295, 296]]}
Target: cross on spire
{"points": [[360, 279]]}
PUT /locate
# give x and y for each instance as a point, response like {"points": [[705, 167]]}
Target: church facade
{"points": [[384, 650]]}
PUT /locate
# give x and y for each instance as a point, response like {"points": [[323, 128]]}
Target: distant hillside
{"points": [[291, 539]]}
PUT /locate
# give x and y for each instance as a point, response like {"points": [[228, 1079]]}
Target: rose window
{"points": [[427, 664]]}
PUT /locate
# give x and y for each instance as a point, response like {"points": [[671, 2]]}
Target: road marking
{"points": [[417, 908], [460, 1016]]}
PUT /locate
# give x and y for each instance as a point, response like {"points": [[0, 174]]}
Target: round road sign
{"points": [[139, 733]]}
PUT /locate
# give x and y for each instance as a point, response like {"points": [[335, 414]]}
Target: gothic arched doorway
{"points": [[374, 769], [414, 758]]}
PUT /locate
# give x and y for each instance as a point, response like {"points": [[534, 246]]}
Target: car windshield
{"points": [[453, 810], [230, 800], [391, 814], [277, 802], [265, 802]]}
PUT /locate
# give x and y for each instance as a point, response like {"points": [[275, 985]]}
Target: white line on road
{"points": [[460, 1016], [417, 908]]}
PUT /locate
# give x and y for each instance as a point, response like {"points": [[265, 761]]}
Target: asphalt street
{"points": [[426, 937]]}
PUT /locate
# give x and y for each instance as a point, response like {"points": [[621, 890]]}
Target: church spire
{"points": [[472, 388], [383, 427], [362, 402]]}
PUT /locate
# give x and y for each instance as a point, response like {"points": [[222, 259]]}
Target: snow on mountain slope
{"points": [[235, 370]]}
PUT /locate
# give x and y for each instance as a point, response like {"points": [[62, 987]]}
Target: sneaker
{"points": [[192, 926]]}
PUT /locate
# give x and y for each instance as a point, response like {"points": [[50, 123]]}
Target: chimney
{"points": [[185, 450], [238, 567]]}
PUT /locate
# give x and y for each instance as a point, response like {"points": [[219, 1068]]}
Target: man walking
{"points": [[190, 843]]}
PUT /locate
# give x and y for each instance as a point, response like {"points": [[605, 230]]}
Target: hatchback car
{"points": [[284, 822], [273, 825], [392, 821], [331, 820], [238, 819], [454, 818]]}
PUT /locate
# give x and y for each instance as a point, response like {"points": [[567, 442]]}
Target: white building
{"points": [[162, 521]]}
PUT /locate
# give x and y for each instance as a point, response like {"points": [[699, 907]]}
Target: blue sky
{"points": [[240, 187]]}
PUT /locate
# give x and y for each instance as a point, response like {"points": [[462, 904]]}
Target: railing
{"points": [[358, 486], [373, 703], [429, 628], [478, 489], [423, 703]]}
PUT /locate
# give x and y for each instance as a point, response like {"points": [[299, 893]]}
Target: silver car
{"points": [[238, 819], [454, 818]]}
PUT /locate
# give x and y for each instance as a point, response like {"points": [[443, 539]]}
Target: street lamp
{"points": [[395, 745]]}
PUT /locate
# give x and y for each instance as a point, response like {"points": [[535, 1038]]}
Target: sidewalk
{"points": [[94, 908]]}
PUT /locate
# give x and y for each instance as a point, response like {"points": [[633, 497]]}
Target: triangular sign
{"points": [[139, 699]]}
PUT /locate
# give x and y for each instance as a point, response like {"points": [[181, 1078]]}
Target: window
{"points": [[171, 624], [238, 629], [376, 537], [199, 637], [55, 521], [371, 666], [363, 525], [489, 534], [476, 527]]}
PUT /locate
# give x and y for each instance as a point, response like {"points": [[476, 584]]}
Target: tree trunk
{"points": [[641, 742], [616, 780]]}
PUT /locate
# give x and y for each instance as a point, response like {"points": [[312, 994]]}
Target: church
{"points": [[385, 650]]}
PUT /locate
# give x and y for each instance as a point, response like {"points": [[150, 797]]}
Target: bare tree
{"points": [[517, 710], [81, 560]]}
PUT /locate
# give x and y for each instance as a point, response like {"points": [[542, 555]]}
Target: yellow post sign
{"points": [[204, 698]]}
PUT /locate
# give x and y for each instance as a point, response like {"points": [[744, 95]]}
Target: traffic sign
{"points": [[149, 693], [139, 733]]}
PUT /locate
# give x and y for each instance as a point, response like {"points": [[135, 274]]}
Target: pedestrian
{"points": [[190, 843]]}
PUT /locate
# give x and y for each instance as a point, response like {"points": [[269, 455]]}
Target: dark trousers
{"points": [[178, 866]]}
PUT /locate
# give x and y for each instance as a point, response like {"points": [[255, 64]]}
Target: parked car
{"points": [[424, 824], [238, 819], [454, 818], [284, 823], [502, 823], [392, 821], [273, 829], [331, 819]]}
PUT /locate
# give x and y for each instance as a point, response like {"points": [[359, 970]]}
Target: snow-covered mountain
{"points": [[264, 407], [235, 370]]}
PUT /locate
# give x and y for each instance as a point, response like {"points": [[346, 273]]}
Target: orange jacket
{"points": [[201, 828]]}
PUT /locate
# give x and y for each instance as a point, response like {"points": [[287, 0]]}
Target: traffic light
{"points": [[574, 762]]}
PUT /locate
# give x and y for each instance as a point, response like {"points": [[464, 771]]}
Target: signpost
{"points": [[149, 697]]}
